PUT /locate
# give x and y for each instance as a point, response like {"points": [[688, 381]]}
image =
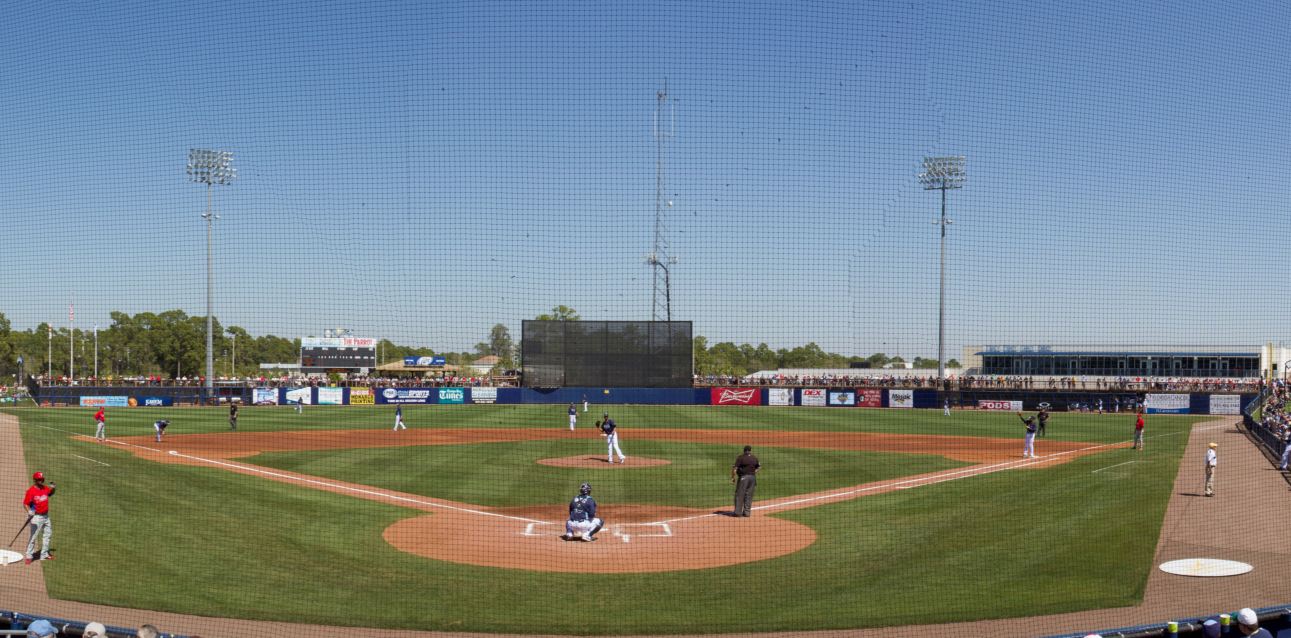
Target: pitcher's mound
{"points": [[585, 461]]}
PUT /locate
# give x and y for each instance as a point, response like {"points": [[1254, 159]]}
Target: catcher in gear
{"points": [[582, 523]]}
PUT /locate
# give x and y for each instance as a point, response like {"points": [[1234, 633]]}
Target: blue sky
{"points": [[421, 171]]}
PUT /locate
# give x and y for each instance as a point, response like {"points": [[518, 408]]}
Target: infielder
{"points": [[1212, 459], [100, 426], [573, 417], [610, 431], [1028, 449], [945, 408], [36, 502], [1138, 431], [398, 419], [582, 523], [233, 417], [160, 426], [584, 404]]}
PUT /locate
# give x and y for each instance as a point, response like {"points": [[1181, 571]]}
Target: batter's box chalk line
{"points": [[622, 531]]}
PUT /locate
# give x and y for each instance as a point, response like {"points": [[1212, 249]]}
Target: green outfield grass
{"points": [[201, 540]]}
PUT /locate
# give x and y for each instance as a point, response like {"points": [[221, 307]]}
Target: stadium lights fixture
{"points": [[210, 168], [942, 173]]}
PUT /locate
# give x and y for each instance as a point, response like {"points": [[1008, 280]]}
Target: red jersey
{"points": [[99, 416], [1138, 423], [38, 498]]}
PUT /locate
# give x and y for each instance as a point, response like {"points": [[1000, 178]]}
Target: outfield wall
{"points": [[895, 398]]}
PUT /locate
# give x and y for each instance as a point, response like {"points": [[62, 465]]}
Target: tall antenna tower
{"points": [[665, 127]]}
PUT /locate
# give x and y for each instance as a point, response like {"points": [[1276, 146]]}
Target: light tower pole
{"points": [[942, 173], [661, 297], [210, 168]]}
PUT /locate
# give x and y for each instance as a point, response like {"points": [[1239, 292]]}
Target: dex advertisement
{"points": [[331, 396], [900, 398], [780, 396], [841, 397], [869, 398], [484, 395], [1225, 404], [405, 395], [264, 396], [813, 397], [303, 396], [1166, 403], [361, 396], [736, 396], [105, 402], [452, 395]]}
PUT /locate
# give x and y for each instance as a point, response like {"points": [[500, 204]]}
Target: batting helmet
{"points": [[585, 489], [38, 476]]}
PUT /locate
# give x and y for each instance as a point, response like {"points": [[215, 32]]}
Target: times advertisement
{"points": [[991, 404], [1166, 403], [361, 396], [405, 395], [900, 398], [869, 398], [331, 396], [264, 396], [484, 395], [452, 395], [813, 397], [736, 396], [780, 396], [303, 396], [1225, 404], [841, 397]]}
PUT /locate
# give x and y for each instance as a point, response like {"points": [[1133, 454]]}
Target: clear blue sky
{"points": [[422, 170]]}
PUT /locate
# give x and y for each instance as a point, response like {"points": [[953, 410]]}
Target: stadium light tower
{"points": [[665, 127], [942, 173], [210, 168]]}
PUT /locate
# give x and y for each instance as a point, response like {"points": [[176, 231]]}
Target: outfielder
{"points": [[100, 426], [573, 417], [36, 502], [233, 417], [1138, 431], [160, 426], [398, 419], [1028, 449], [582, 522], [610, 431], [584, 404]]}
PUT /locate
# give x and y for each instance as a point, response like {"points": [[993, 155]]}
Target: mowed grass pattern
{"points": [[206, 541]]}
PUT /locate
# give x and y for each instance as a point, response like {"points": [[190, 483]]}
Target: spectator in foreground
{"points": [[147, 631], [41, 629], [1249, 624], [95, 630]]}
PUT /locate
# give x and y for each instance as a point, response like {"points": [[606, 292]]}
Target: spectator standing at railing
{"points": [[1212, 460], [1286, 448], [1249, 624]]}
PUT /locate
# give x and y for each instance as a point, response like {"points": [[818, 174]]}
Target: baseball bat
{"points": [[24, 526]]}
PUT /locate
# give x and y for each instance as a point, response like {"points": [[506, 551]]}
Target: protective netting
{"points": [[855, 237]]}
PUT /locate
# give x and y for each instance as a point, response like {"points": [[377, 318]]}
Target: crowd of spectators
{"points": [[1275, 419], [964, 382]]}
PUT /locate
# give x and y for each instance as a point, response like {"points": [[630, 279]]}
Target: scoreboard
{"points": [[337, 353]]}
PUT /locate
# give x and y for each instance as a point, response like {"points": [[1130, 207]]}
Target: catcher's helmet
{"points": [[585, 489]]}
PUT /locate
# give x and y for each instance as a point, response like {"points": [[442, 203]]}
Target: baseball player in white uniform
{"points": [[398, 419], [610, 431], [573, 417], [160, 426]]}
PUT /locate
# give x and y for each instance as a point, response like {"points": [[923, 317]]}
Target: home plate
{"points": [[1205, 567], [7, 557]]}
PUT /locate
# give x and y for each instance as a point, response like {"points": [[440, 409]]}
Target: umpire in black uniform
{"points": [[744, 476]]}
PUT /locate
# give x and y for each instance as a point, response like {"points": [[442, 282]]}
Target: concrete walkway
{"points": [[1248, 520]]}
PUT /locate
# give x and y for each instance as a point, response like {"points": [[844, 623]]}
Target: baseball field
{"points": [[862, 518]]}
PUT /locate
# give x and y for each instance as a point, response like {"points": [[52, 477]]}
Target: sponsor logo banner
{"points": [[155, 402], [736, 396], [300, 395], [869, 398], [986, 404], [1225, 404], [900, 398], [362, 396], [484, 395], [424, 361], [105, 402], [780, 396], [331, 396], [842, 397], [264, 396], [813, 396], [1166, 404], [405, 395], [337, 342], [452, 395]]}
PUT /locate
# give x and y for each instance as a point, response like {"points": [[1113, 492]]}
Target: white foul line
{"points": [[90, 460], [1112, 466]]}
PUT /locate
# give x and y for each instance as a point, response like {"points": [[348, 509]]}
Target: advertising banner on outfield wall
{"points": [[900, 398], [1225, 404], [424, 361], [451, 395], [337, 342], [780, 396], [988, 404], [841, 397], [362, 396], [300, 395], [736, 396], [264, 396], [105, 402], [484, 395], [813, 397], [153, 402], [1167, 403], [406, 395], [869, 398], [331, 396]]}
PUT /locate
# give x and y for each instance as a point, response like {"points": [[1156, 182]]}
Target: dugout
{"points": [[608, 354]]}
